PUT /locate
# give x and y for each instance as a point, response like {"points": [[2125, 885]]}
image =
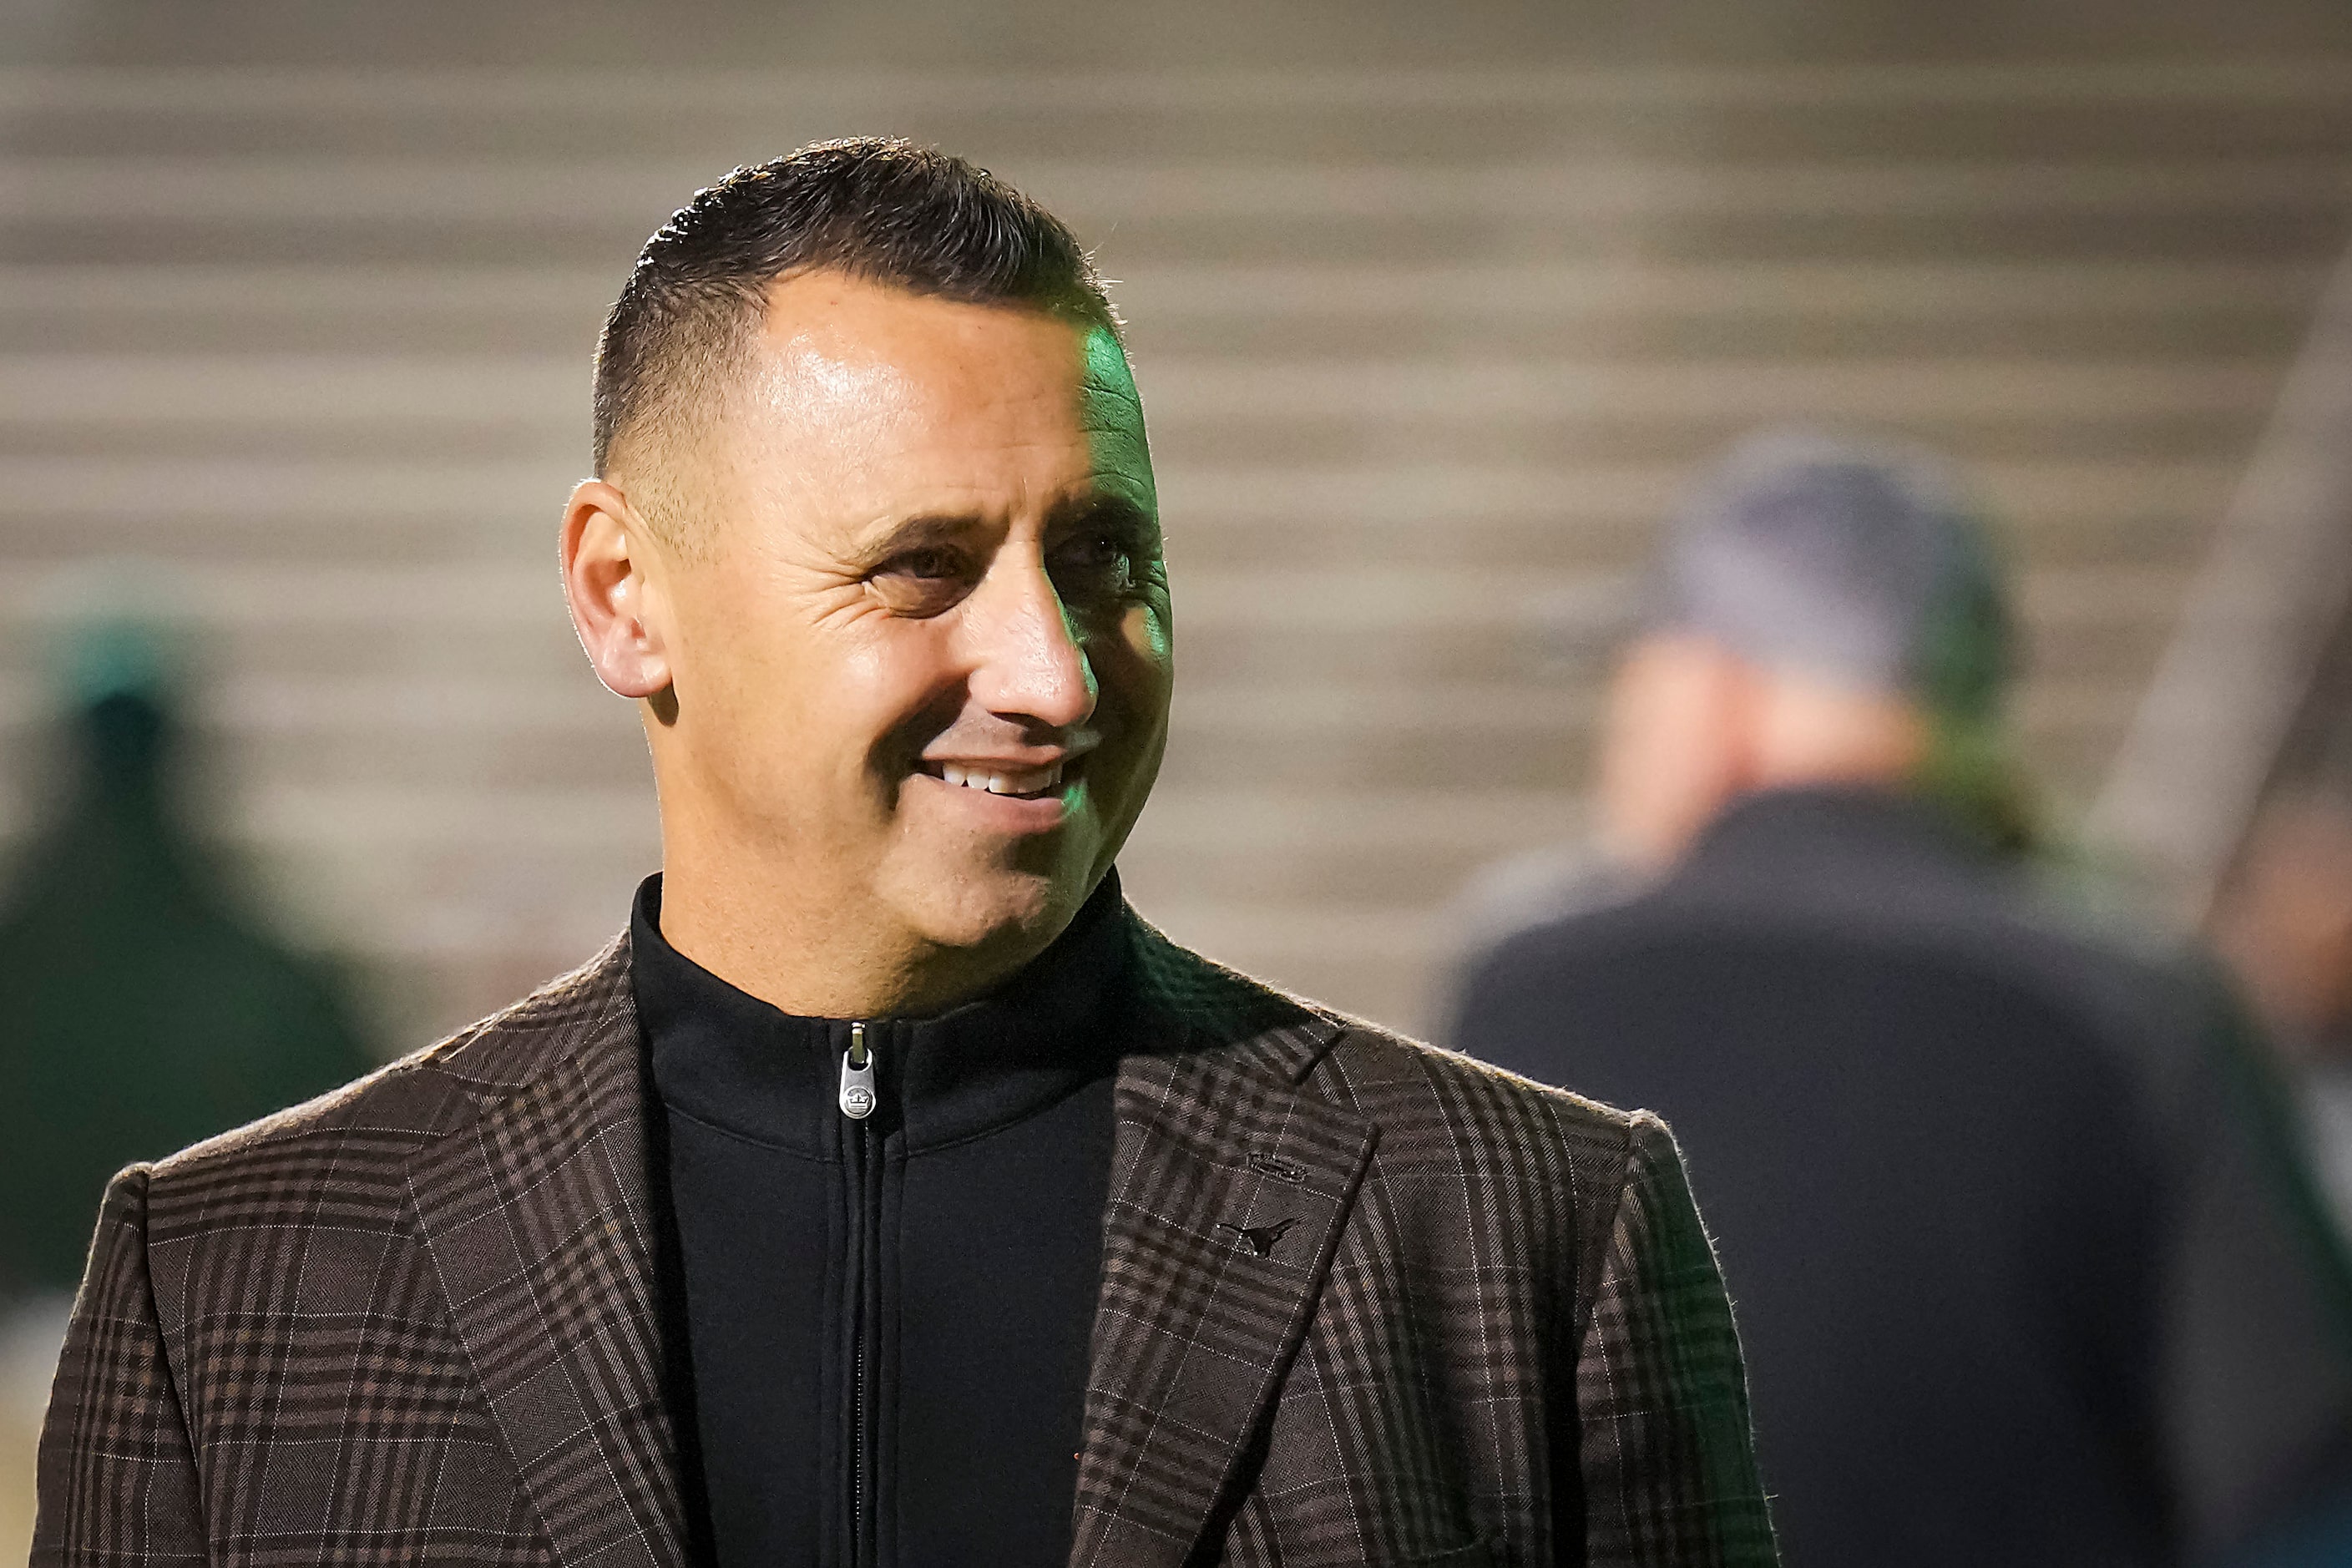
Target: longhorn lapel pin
{"points": [[1261, 1237]]}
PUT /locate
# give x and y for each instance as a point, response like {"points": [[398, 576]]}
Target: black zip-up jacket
{"points": [[885, 1236]]}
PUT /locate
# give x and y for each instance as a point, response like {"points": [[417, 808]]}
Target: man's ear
{"points": [[616, 608]]}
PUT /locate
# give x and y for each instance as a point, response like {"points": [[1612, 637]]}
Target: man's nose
{"points": [[1028, 661]]}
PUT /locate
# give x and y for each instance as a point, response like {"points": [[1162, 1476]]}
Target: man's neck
{"points": [[812, 962]]}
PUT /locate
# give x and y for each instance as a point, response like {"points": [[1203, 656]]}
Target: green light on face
{"points": [[1113, 422]]}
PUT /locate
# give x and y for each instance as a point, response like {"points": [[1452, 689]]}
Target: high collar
{"points": [[729, 1060]]}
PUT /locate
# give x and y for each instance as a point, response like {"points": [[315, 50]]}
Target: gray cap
{"points": [[1857, 562]]}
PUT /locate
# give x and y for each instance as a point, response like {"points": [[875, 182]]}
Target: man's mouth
{"points": [[1024, 784]]}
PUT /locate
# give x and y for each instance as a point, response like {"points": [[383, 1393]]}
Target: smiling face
{"points": [[913, 647]]}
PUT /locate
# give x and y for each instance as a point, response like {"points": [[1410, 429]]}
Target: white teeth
{"points": [[1027, 783]]}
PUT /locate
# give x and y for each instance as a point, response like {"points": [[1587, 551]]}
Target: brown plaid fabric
{"points": [[1362, 1303]]}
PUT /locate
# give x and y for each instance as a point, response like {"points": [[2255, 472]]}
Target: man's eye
{"points": [[929, 564], [922, 582], [1095, 566]]}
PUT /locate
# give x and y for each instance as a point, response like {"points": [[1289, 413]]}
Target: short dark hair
{"points": [[877, 208]]}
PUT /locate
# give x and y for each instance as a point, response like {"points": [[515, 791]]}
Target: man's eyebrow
{"points": [[923, 531], [1101, 509]]}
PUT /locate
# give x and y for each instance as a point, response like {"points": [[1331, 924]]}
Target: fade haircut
{"points": [[879, 209]]}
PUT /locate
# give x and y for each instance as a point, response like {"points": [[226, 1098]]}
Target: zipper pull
{"points": [[858, 1076]]}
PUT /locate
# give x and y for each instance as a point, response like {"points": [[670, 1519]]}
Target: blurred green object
{"points": [[141, 1007]]}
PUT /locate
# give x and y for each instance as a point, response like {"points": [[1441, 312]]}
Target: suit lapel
{"points": [[1229, 1188], [536, 1213]]}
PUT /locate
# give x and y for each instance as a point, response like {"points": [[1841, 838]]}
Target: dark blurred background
{"points": [[1434, 311]]}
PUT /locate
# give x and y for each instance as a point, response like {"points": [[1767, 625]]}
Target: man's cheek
{"points": [[1152, 629], [1139, 655]]}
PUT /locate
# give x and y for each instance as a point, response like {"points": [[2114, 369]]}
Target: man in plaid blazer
{"points": [[874, 546]]}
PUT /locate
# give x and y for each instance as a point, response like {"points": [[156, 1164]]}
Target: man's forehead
{"points": [[843, 330], [859, 352], [887, 388]]}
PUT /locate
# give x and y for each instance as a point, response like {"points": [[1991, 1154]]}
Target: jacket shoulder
{"points": [[1407, 1086], [1400, 1082], [367, 1127], [1477, 1167]]}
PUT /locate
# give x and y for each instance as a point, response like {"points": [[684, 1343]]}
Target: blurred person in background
{"points": [[888, 1191], [2024, 1277], [2284, 925], [143, 1005]]}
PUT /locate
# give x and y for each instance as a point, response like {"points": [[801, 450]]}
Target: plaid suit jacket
{"points": [[413, 1320]]}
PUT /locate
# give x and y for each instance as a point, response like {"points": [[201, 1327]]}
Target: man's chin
{"points": [[975, 910]]}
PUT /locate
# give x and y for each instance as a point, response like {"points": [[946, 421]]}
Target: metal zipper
{"points": [[859, 1100], [858, 1076]]}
